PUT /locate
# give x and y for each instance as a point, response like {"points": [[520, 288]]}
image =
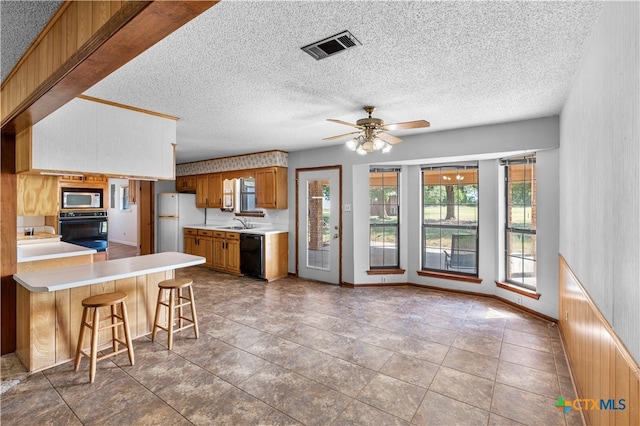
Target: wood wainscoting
{"points": [[601, 365]]}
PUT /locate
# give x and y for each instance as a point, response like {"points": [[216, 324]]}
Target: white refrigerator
{"points": [[176, 210]]}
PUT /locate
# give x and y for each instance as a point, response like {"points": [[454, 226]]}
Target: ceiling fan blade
{"points": [[407, 125], [331, 138], [388, 138], [333, 120]]}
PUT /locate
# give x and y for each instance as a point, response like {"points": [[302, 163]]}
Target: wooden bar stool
{"points": [[175, 287], [96, 302]]}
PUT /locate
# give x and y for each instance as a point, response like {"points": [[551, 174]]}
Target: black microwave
{"points": [[81, 198]]}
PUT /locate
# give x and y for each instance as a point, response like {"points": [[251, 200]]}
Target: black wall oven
{"points": [[84, 228]]}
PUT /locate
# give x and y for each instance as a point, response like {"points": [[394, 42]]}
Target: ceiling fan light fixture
{"points": [[378, 144], [387, 148], [360, 150], [352, 144]]}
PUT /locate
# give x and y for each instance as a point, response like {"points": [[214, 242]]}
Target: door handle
{"points": [[335, 236]]}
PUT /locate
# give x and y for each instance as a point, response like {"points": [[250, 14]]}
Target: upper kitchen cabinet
{"points": [[271, 188], [186, 184], [209, 190], [91, 136], [37, 195]]}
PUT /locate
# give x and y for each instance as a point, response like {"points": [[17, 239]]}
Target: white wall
{"points": [[123, 224], [599, 171], [485, 144]]}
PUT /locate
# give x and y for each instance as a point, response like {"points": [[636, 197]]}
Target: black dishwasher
{"points": [[251, 255]]}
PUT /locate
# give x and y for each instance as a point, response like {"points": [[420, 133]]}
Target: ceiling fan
{"points": [[372, 133]]}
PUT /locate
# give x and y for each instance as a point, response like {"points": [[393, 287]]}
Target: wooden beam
{"points": [[134, 28], [8, 238]]}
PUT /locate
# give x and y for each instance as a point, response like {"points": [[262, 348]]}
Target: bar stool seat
{"points": [[175, 301], [111, 300]]}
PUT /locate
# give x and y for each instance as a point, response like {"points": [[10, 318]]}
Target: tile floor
{"points": [[295, 352]]}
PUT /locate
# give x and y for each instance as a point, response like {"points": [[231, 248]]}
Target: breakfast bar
{"points": [[49, 304]]}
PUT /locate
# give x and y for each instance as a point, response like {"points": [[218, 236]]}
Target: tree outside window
{"points": [[383, 218], [450, 219]]}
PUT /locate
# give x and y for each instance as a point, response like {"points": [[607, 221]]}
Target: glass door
{"points": [[319, 225]]}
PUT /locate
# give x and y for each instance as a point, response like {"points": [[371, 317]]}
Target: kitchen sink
{"points": [[232, 227]]}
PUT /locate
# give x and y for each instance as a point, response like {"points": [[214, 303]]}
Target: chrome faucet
{"points": [[244, 223]]}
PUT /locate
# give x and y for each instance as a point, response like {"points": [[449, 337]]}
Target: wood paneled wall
{"points": [[601, 365], [70, 27]]}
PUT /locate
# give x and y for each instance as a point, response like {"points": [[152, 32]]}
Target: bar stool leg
{"points": [[83, 329], [171, 314], [94, 344], [193, 312], [179, 297], [114, 330], [127, 333], [155, 321]]}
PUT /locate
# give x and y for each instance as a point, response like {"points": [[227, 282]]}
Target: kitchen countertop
{"points": [[258, 231], [93, 273], [50, 250]]}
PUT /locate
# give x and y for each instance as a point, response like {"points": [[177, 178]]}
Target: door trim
{"points": [[337, 167]]}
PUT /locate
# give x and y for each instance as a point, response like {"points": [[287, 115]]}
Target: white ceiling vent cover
{"points": [[331, 45]]}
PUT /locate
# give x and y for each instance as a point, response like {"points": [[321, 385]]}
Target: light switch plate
{"points": [[347, 207]]}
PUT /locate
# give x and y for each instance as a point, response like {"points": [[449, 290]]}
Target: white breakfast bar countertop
{"points": [[52, 250], [93, 273]]}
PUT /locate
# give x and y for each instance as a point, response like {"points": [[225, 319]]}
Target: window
{"points": [[520, 235], [247, 194], [450, 219], [124, 198], [383, 219]]}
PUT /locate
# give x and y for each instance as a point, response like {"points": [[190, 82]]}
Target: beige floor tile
{"points": [[393, 396], [234, 407], [525, 407], [314, 404], [343, 376], [463, 387], [528, 340], [477, 344], [437, 409], [528, 379], [359, 413], [272, 384], [472, 363], [529, 357], [411, 370]]}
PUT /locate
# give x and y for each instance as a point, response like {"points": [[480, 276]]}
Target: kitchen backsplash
{"points": [[240, 162], [30, 221], [276, 218]]}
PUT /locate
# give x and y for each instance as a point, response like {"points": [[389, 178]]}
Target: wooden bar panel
{"points": [[65, 344], [43, 328], [602, 367], [75, 315], [128, 286]]}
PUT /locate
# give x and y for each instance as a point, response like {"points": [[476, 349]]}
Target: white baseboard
{"points": [[127, 243]]}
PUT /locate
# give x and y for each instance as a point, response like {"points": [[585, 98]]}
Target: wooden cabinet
{"points": [[209, 190], [76, 179], [199, 242], [226, 251], [276, 256], [37, 195], [271, 188], [186, 184]]}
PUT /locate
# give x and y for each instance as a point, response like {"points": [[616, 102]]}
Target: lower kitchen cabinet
{"points": [[199, 242], [226, 251]]}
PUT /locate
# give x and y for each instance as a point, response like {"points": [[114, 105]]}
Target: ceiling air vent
{"points": [[331, 45]]}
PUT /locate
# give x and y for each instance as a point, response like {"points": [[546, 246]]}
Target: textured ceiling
{"points": [[239, 82], [20, 24]]}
